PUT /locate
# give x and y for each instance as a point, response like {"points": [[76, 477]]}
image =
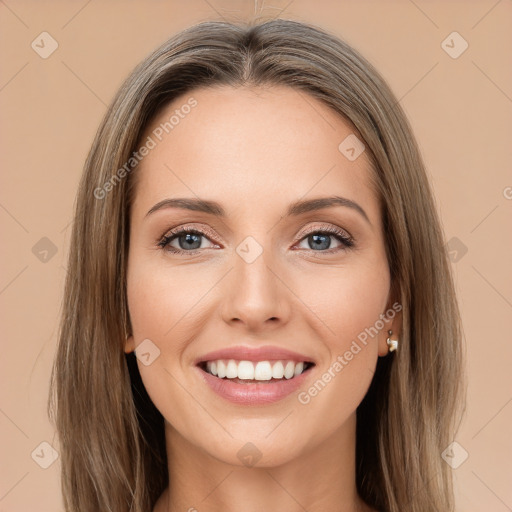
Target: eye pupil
{"points": [[190, 239], [319, 241]]}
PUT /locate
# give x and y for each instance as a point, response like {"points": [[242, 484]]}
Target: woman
{"points": [[258, 311]]}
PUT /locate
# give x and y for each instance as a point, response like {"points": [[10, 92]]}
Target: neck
{"points": [[322, 478]]}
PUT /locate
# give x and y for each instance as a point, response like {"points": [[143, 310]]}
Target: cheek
{"points": [[162, 306], [349, 305], [163, 301], [167, 306], [349, 301]]}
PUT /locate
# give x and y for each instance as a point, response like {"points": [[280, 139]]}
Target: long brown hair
{"points": [[111, 436]]}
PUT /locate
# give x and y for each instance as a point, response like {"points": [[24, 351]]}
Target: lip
{"points": [[242, 353], [254, 394]]}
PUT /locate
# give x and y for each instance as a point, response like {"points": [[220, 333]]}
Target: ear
{"points": [[129, 344], [392, 319]]}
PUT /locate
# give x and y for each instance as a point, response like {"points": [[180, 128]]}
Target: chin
{"points": [[256, 453]]}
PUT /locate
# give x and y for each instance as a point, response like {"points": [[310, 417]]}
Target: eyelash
{"points": [[344, 238]]}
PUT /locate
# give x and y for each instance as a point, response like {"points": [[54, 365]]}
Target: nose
{"points": [[256, 296]]}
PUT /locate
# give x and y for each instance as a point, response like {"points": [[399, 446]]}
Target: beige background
{"points": [[460, 109]]}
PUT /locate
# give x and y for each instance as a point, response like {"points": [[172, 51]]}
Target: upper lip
{"points": [[241, 353]]}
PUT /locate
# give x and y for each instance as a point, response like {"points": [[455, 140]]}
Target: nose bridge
{"points": [[255, 293]]}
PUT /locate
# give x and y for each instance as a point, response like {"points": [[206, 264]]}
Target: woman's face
{"points": [[259, 278]]}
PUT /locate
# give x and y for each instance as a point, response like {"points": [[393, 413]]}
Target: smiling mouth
{"points": [[249, 372]]}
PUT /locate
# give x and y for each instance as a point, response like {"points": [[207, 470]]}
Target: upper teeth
{"points": [[249, 370]]}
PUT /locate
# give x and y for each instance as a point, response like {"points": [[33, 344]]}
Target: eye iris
{"points": [[319, 241], [190, 239]]}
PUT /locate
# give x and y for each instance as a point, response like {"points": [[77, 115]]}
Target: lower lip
{"points": [[254, 394]]}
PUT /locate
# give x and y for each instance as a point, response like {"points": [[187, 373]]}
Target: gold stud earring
{"points": [[392, 344]]}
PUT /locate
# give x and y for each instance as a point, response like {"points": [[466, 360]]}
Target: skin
{"points": [[239, 146]]}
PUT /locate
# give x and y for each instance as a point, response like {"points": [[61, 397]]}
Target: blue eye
{"points": [[321, 240], [189, 240]]}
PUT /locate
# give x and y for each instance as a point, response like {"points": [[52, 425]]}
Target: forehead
{"points": [[246, 143]]}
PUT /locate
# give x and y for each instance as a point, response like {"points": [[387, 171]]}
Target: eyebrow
{"points": [[298, 208]]}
